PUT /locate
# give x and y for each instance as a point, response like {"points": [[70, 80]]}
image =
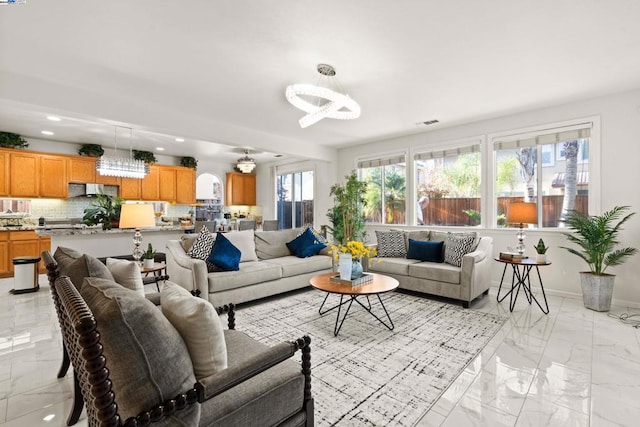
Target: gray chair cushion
{"points": [[267, 399], [273, 244], [84, 266], [147, 359]]}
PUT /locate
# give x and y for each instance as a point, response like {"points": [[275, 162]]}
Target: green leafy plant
{"points": [[541, 248], [104, 210], [145, 156], [189, 162], [597, 238], [346, 216], [12, 140], [91, 150], [149, 253]]}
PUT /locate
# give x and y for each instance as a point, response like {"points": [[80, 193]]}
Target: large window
{"points": [[294, 199], [386, 189], [448, 187], [549, 168]]}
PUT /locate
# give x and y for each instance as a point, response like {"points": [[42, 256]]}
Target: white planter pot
{"points": [[541, 258], [597, 290], [148, 263]]}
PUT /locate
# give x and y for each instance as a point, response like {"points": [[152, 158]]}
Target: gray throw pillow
{"points": [[147, 359], [456, 246], [85, 266], [391, 244]]}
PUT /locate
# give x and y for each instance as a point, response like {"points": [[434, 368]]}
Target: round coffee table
{"points": [[348, 294]]}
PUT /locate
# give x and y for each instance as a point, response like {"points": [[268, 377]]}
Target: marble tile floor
{"points": [[573, 367]]}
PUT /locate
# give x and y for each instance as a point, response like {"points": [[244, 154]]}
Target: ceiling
{"points": [[215, 72]]}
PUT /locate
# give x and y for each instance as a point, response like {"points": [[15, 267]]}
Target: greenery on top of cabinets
{"points": [[189, 162], [145, 156], [12, 140], [91, 150]]}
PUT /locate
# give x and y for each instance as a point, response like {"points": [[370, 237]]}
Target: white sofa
{"points": [[465, 283], [275, 272]]}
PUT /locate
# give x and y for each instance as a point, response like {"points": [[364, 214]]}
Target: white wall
{"points": [[619, 171]]}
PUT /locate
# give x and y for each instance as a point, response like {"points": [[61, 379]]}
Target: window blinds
{"points": [[447, 153], [549, 136], [373, 163]]}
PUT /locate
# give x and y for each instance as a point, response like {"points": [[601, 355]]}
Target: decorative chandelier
{"points": [[246, 164], [338, 105], [124, 167]]}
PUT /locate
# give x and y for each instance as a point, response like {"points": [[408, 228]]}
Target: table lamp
{"points": [[137, 215], [522, 213]]}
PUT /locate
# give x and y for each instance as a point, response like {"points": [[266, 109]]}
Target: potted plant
{"points": [[148, 257], [91, 150], [346, 215], [145, 156], [12, 140], [541, 251], [189, 162], [596, 237], [105, 210]]}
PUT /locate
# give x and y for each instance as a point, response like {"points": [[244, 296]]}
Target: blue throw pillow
{"points": [[224, 255], [425, 251], [306, 244]]}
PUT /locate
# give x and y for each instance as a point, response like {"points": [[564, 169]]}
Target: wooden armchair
{"points": [[86, 347]]}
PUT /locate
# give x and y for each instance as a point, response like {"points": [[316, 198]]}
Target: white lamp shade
{"points": [[522, 213], [137, 215]]}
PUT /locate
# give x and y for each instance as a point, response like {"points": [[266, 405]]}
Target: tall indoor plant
{"points": [[596, 237], [346, 216]]}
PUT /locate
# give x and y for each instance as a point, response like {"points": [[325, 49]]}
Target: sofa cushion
{"points": [[391, 244], [273, 244], [224, 255], [306, 244], [201, 247], [199, 326], [250, 274], [418, 235], [126, 273], [439, 272], [391, 265], [64, 256], [147, 359], [85, 266], [456, 246], [293, 266], [187, 240], [438, 236], [267, 399], [425, 251], [244, 240]]}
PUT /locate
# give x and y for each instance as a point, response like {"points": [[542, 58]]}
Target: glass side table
{"points": [[521, 279]]}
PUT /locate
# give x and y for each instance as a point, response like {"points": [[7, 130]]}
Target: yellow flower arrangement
{"points": [[357, 250]]}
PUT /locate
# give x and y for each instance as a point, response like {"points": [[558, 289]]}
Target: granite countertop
{"points": [[87, 230]]}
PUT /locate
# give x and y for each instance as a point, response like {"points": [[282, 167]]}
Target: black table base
{"points": [[349, 299], [521, 279]]}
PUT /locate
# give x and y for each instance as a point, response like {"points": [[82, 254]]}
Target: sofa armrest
{"points": [[190, 273], [221, 381], [476, 270]]}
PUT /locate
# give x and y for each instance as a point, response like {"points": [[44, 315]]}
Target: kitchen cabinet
{"points": [[4, 173], [53, 177], [150, 185], [24, 174], [130, 188], [83, 170], [22, 243], [4, 254], [241, 189], [167, 183], [185, 185]]}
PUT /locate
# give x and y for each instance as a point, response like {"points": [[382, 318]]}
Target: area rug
{"points": [[369, 375]]}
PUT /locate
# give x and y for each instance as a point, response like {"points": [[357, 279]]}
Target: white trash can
{"points": [[25, 274]]}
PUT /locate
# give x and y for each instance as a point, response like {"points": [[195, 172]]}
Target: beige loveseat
{"points": [[464, 283], [276, 270]]}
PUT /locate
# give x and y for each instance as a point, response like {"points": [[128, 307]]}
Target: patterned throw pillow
{"points": [[391, 244], [456, 246], [202, 246]]}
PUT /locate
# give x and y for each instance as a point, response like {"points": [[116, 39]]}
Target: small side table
{"points": [[157, 269], [521, 278]]}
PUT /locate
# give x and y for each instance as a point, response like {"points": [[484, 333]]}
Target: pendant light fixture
{"points": [[338, 106], [246, 164], [125, 167]]}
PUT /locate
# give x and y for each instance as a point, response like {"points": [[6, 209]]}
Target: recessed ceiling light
{"points": [[46, 132], [179, 139], [278, 155], [428, 122], [54, 118], [160, 148]]}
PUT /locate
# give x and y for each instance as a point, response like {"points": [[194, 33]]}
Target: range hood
{"points": [[85, 190]]}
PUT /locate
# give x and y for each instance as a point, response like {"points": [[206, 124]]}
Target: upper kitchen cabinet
{"points": [[53, 176], [241, 189], [83, 170], [130, 188], [185, 185], [167, 188], [150, 185], [4, 173], [24, 174]]}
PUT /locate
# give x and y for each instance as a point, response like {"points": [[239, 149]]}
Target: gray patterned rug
{"points": [[368, 375]]}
